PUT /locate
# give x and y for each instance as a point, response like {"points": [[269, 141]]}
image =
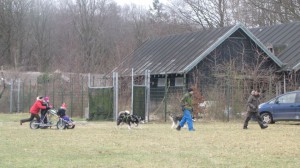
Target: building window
{"points": [[161, 82], [178, 81]]}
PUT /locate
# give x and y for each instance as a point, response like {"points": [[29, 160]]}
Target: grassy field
{"points": [[155, 145]]}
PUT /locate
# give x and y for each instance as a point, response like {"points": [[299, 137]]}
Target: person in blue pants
{"points": [[186, 103]]}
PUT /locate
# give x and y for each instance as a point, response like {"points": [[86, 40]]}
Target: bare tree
{"points": [[95, 35], [138, 16], [277, 11], [265, 12], [203, 13], [163, 22], [89, 17], [12, 31], [42, 31]]}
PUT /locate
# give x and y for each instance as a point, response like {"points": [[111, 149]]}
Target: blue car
{"points": [[285, 107]]}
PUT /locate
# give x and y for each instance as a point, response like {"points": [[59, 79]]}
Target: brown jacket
{"points": [[252, 103]]}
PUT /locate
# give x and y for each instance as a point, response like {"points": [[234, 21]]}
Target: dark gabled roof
{"points": [[286, 36], [178, 54]]}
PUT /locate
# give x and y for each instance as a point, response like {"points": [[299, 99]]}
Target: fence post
{"points": [[270, 85], [45, 86], [184, 83], [62, 90], [116, 94], [228, 93], [23, 95], [284, 83], [82, 110], [72, 89], [19, 87], [228, 97], [53, 102], [147, 84], [29, 102], [37, 88], [11, 94], [132, 83], [166, 95]]}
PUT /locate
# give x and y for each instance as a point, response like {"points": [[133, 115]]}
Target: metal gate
{"points": [[141, 96], [102, 99]]}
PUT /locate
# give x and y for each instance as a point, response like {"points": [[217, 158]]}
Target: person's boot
{"points": [[178, 128], [264, 126], [245, 127]]}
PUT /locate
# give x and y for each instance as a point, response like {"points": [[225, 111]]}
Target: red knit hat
{"points": [[64, 106]]}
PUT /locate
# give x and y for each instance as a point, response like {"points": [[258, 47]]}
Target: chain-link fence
{"points": [[223, 97], [220, 97], [20, 93]]}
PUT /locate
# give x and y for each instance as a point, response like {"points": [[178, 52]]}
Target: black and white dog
{"points": [[127, 118], [176, 119]]}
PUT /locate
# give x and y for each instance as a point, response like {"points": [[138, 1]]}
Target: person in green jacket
{"points": [[186, 104]]}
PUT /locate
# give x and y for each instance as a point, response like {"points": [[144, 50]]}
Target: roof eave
{"points": [[296, 67], [210, 49], [262, 46]]}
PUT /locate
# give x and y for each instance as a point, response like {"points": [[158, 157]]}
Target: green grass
{"points": [[101, 144]]}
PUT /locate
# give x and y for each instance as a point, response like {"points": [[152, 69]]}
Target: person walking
{"points": [[252, 110], [34, 110], [186, 104]]}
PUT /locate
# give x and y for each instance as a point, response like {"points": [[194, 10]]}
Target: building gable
{"points": [[226, 36], [178, 54]]}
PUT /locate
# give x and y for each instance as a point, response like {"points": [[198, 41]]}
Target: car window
{"points": [[272, 101], [298, 98], [289, 98]]}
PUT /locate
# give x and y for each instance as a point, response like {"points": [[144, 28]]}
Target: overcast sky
{"points": [[145, 3]]}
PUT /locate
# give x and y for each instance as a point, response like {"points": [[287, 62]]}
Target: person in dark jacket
{"points": [[187, 106], [62, 112], [252, 110], [44, 111], [34, 110]]}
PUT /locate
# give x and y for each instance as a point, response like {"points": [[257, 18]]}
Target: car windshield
{"points": [[289, 98], [272, 101]]}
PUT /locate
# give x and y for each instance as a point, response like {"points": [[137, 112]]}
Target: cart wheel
{"points": [[34, 124], [61, 124], [71, 126]]}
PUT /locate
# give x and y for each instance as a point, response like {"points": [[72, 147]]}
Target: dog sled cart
{"points": [[60, 124]]}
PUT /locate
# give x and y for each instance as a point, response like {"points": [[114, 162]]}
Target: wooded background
{"points": [[84, 36]]}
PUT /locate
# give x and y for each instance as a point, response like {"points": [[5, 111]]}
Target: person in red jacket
{"points": [[34, 110]]}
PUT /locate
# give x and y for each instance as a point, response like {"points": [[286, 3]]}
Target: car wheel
{"points": [[266, 118]]}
